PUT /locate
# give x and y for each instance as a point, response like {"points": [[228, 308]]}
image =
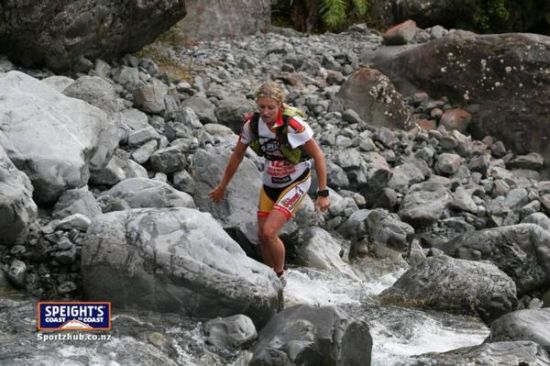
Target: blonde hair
{"points": [[271, 89]]}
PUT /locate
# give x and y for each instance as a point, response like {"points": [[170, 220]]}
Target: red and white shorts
{"points": [[287, 199]]}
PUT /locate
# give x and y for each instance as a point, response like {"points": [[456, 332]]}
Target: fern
{"points": [[361, 6], [333, 12]]}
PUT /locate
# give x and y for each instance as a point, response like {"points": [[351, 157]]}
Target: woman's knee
{"points": [[267, 233]]}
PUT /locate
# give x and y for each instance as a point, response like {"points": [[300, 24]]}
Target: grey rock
{"points": [[57, 150], [539, 219], [240, 204], [211, 19], [523, 325], [143, 192], [533, 161], [76, 201], [233, 332], [373, 96], [120, 167], [521, 251], [488, 354], [309, 335], [17, 208], [144, 152], [175, 260], [448, 164], [62, 36], [425, 203], [96, 91], [58, 82], [455, 285], [17, 273], [150, 97], [76, 221], [319, 249], [168, 160], [204, 108]]}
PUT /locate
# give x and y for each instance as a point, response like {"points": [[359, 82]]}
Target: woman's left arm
{"points": [[312, 149]]}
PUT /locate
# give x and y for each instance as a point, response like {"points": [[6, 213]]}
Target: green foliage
{"points": [[319, 15], [498, 16], [334, 13]]}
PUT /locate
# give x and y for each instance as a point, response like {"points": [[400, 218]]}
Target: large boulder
{"points": [[523, 325], [455, 285], [524, 353], [145, 192], [211, 19], [17, 209], [56, 140], [468, 13], [373, 96], [59, 35], [505, 74], [241, 200], [521, 251], [174, 260], [305, 335]]}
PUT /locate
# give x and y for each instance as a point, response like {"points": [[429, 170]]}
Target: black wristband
{"points": [[322, 193]]}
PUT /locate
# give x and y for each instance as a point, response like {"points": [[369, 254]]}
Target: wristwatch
{"points": [[322, 193]]}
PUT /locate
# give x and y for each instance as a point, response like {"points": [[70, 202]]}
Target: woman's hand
{"points": [[217, 194], [322, 203]]}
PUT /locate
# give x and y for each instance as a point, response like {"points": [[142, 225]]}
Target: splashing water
{"points": [[397, 333]]}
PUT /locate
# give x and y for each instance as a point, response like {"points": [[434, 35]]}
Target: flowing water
{"points": [[397, 332], [151, 338]]}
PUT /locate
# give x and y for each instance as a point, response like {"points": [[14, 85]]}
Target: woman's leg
{"points": [[273, 249]]}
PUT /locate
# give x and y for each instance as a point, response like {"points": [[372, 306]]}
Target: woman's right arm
{"points": [[218, 193]]}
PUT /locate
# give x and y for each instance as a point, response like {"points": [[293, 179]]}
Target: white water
{"points": [[392, 343]]}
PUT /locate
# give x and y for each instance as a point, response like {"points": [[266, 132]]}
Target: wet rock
{"points": [[237, 331], [523, 325], [308, 335], [455, 285], [489, 354]]}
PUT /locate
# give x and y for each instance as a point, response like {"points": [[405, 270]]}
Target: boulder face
{"points": [[521, 251], [56, 140], [504, 77], [210, 19], [454, 285], [521, 325], [306, 335], [488, 354], [241, 200], [175, 260], [17, 209], [464, 14], [373, 96], [58, 34]]}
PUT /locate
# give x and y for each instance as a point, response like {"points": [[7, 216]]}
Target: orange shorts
{"points": [[286, 200]]}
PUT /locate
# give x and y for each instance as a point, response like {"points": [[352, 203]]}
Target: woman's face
{"points": [[269, 109]]}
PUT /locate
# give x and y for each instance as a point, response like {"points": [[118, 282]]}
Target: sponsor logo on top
{"points": [[70, 315]]}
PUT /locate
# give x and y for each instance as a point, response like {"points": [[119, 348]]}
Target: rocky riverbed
{"points": [[105, 178]]}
